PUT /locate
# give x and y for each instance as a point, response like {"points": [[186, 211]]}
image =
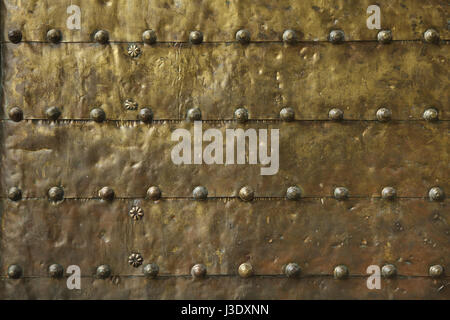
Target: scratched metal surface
{"points": [[317, 232]]}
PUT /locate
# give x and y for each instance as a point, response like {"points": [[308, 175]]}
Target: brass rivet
{"points": [[198, 271], [431, 114], [388, 193], [146, 115], [56, 271], [200, 193], [195, 37], [340, 272], [154, 193], [341, 193], [336, 36], [106, 193], [436, 271], [243, 36], [436, 194], [98, 115], [101, 37], [289, 36], [103, 271], [384, 36], [389, 271], [53, 113], [384, 114], [241, 115], [293, 193], [246, 193], [431, 36], [15, 36], [130, 104], [336, 114], [292, 270], [14, 271], [151, 270], [15, 114], [149, 37], [194, 114], [56, 194], [245, 270], [15, 194], [54, 36], [287, 114], [135, 259], [136, 213], [134, 51]]}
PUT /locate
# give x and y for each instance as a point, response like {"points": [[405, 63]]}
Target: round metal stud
{"points": [[101, 37], [53, 113], [195, 37], [154, 193], [293, 193], [292, 270], [14, 271], [134, 51], [135, 259], [243, 36], [198, 271], [341, 193], [149, 37], [56, 271], [15, 194], [103, 271], [15, 36], [246, 193], [241, 115], [389, 271], [336, 36], [436, 194], [151, 270], [15, 114], [146, 115], [106, 194], [431, 114], [98, 115], [340, 272], [245, 270], [388, 193], [431, 36], [56, 194], [54, 36], [384, 114], [200, 193], [436, 271], [136, 213], [289, 36], [194, 114], [384, 36], [287, 114], [336, 114]]}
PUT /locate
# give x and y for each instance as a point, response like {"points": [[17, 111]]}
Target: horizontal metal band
{"points": [[311, 80], [412, 235], [125, 20]]}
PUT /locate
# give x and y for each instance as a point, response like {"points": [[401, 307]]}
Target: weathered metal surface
{"points": [[126, 20], [365, 157], [318, 234], [357, 78]]}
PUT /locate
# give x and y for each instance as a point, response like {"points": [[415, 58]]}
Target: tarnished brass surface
{"points": [[125, 20], [311, 79]]}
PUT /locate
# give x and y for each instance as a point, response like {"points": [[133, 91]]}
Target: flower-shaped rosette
{"points": [[134, 51], [131, 105], [135, 260], [136, 213]]}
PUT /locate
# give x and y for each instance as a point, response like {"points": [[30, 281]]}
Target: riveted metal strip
{"points": [[317, 156], [310, 79], [412, 235], [266, 20]]}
